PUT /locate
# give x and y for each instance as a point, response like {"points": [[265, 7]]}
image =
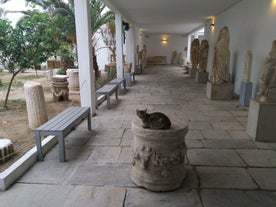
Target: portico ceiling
{"points": [[169, 16]]}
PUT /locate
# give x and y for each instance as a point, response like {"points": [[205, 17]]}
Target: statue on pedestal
{"points": [[194, 53], [221, 61], [203, 55], [267, 81], [247, 67]]}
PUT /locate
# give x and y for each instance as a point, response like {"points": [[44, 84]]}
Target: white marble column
{"points": [[189, 47], [119, 45], [35, 102], [85, 62], [130, 48]]}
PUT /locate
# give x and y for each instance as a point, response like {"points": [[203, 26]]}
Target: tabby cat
{"points": [[154, 120]]}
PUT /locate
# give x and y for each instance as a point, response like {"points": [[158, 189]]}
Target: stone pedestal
{"points": [[220, 92], [201, 77], [73, 79], [245, 93], [192, 73], [158, 157], [6, 150], [60, 88], [49, 74], [261, 121], [35, 102]]}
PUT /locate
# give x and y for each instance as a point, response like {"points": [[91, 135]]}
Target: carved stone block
{"points": [[220, 92], [202, 77], [192, 72], [158, 157], [261, 121]]}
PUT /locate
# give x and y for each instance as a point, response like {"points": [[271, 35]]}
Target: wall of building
{"points": [[252, 26], [155, 46]]}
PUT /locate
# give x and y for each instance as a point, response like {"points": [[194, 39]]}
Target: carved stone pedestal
{"points": [[6, 150], [60, 88], [158, 157], [245, 93], [73, 79], [202, 77], [261, 121], [220, 92], [192, 72]]}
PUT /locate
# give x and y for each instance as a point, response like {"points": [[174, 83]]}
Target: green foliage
{"points": [[34, 39], [1, 84], [98, 16], [60, 72]]}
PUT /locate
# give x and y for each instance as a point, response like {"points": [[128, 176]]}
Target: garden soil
{"points": [[14, 119]]}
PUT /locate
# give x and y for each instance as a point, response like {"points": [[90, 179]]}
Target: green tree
{"points": [[34, 39], [99, 16]]}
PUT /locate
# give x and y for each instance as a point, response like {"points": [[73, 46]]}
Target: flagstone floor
{"points": [[224, 166]]}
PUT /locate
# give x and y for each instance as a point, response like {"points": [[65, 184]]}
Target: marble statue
{"points": [[203, 55], [267, 81], [194, 53], [247, 67], [221, 61]]}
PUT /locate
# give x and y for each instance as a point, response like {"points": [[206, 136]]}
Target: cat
{"points": [[156, 120]]}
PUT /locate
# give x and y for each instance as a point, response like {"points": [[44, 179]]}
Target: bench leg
{"points": [[108, 100], [116, 94], [119, 89], [89, 120], [61, 148], [96, 102], [124, 83], [39, 155]]}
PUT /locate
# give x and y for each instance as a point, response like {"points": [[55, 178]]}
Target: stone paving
{"points": [[224, 166]]}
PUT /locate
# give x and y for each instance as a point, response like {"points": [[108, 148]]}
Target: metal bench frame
{"points": [[60, 126], [118, 82], [128, 78], [107, 91]]}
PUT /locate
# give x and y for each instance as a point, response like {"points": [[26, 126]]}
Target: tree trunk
{"points": [[9, 88], [95, 63]]}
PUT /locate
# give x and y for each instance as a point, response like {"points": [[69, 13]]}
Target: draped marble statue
{"points": [[220, 71], [247, 66], [194, 53], [267, 81], [203, 55]]}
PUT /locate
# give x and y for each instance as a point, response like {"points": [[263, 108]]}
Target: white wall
{"points": [[252, 26], [155, 47]]}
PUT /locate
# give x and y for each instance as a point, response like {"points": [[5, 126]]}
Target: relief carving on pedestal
{"points": [[147, 158]]}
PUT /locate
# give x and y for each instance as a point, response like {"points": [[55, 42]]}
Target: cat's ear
{"points": [[137, 111]]}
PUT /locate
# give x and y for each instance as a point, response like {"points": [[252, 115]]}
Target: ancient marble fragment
{"points": [[220, 71], [203, 55], [267, 81]]}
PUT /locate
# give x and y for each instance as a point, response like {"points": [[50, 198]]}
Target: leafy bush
{"points": [[60, 72]]}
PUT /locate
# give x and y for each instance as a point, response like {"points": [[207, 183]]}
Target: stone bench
{"points": [[107, 91], [118, 82], [60, 126]]}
